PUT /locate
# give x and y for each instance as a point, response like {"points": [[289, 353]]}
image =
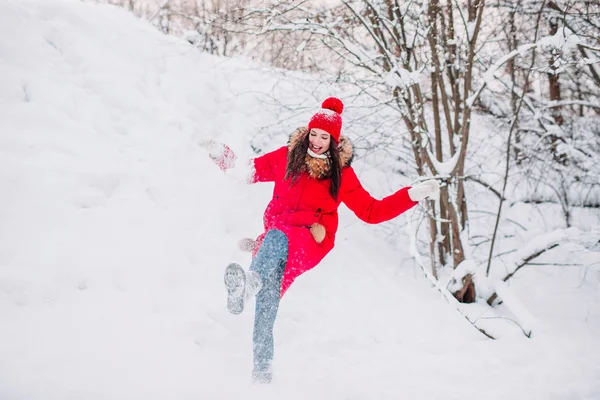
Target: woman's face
{"points": [[319, 141]]}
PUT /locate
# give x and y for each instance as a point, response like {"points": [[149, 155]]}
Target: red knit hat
{"points": [[329, 118]]}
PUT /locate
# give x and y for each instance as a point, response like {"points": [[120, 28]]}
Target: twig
{"points": [[484, 184], [163, 5], [508, 145], [525, 261], [526, 333]]}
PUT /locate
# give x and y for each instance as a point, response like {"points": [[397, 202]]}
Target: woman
{"points": [[312, 176]]}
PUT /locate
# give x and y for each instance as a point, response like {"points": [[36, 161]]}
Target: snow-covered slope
{"points": [[115, 228]]}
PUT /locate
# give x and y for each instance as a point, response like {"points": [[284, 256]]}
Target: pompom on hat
{"points": [[329, 118]]}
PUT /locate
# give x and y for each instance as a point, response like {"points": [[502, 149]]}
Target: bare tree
{"points": [[430, 64], [390, 46]]}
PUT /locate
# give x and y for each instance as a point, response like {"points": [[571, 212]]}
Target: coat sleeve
{"points": [[264, 167], [366, 207]]}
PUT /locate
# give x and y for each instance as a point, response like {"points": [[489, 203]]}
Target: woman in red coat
{"points": [[312, 176]]}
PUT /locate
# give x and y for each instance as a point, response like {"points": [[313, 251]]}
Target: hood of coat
{"points": [[319, 167]]}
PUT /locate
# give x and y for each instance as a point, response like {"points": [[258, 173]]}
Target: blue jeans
{"points": [[269, 263]]}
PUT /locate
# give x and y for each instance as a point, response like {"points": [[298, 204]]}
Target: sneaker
{"points": [[262, 377], [253, 284], [235, 283]]}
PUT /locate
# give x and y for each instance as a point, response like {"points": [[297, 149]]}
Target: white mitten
{"points": [[423, 190]]}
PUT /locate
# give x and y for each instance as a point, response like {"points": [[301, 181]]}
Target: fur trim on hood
{"points": [[319, 167]]}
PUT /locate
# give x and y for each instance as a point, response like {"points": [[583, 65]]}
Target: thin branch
{"points": [[508, 145], [484, 184], [163, 5], [523, 263], [526, 260]]}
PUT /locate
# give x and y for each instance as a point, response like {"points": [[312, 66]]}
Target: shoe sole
{"points": [[262, 378], [235, 283]]}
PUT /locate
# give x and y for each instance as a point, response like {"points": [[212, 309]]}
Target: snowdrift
{"points": [[115, 228]]}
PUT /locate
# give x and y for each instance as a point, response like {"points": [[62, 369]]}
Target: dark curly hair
{"points": [[296, 164]]}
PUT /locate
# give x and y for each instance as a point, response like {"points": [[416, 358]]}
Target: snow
{"points": [[527, 321], [564, 39], [116, 227], [490, 75], [470, 27], [402, 78], [445, 168], [301, 46]]}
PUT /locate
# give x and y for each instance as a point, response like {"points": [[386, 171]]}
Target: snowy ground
{"points": [[115, 228]]}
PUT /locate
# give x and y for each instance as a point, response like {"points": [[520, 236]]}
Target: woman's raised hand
{"points": [[220, 153], [423, 190]]}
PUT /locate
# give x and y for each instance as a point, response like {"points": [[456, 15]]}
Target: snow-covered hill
{"points": [[115, 228]]}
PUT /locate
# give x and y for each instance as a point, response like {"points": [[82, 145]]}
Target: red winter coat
{"points": [[295, 207]]}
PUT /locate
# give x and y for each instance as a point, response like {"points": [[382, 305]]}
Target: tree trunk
{"points": [[514, 98], [445, 244], [554, 91], [553, 81], [433, 239], [458, 254], [467, 293]]}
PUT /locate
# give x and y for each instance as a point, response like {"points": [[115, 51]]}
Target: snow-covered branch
{"points": [[535, 248], [564, 103]]}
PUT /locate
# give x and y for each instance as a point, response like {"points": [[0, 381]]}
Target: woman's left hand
{"points": [[423, 190]]}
